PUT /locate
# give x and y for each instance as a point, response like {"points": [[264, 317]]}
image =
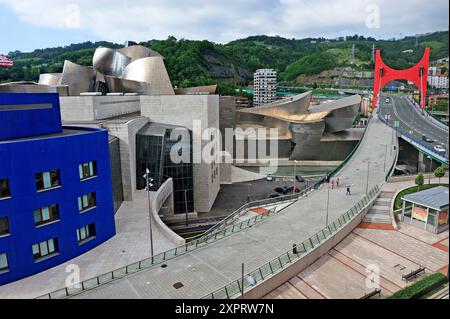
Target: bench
{"points": [[371, 294], [413, 274]]}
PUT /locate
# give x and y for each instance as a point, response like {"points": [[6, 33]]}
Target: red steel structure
{"points": [[418, 74], [5, 62]]}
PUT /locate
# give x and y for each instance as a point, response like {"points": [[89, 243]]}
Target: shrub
{"points": [[421, 287], [439, 172]]}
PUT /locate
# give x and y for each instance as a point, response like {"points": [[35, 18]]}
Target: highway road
{"points": [[411, 121]]}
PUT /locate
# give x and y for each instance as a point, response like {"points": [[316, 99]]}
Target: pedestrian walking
{"points": [[337, 181], [327, 179], [332, 184], [348, 191]]}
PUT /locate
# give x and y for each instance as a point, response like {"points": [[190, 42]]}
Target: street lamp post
{"points": [[367, 181], [186, 206], [295, 176], [385, 157], [328, 205], [148, 180]]}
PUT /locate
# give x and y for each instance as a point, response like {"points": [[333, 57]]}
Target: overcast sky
{"points": [[31, 24]]}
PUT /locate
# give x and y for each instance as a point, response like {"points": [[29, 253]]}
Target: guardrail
{"points": [[243, 209], [222, 230], [426, 114], [234, 289], [412, 140], [230, 219]]}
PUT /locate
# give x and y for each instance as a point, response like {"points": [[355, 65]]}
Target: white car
{"points": [[439, 149], [269, 178]]}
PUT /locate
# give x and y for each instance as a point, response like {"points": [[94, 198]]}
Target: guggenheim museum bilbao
{"points": [[75, 145]]}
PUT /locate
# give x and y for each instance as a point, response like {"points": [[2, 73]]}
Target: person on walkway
{"points": [[348, 191], [332, 184], [337, 181], [327, 179]]}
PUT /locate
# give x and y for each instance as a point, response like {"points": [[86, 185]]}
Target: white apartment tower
{"points": [[265, 84]]}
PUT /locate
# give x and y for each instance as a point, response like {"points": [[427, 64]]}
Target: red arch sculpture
{"points": [[418, 74]]}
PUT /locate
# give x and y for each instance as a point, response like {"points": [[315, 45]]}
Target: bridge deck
{"points": [[215, 265]]}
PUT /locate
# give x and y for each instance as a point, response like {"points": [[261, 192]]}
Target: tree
{"points": [[419, 180], [439, 172]]}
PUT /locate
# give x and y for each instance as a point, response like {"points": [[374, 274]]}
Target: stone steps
{"points": [[380, 212]]}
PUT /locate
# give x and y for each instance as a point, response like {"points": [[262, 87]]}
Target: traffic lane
{"points": [[418, 124], [387, 109]]}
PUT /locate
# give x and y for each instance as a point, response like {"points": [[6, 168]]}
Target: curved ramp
{"points": [[215, 265]]}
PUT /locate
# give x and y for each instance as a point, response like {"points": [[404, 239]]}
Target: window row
{"points": [[51, 179], [50, 247], [49, 214]]}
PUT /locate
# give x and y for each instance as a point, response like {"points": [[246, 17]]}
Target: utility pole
{"points": [[148, 180]]}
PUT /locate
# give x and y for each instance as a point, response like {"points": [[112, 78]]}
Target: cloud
{"points": [[226, 20]]}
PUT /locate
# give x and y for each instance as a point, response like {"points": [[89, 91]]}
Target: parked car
{"points": [[269, 178], [439, 149], [427, 139], [279, 190], [300, 179], [274, 195]]}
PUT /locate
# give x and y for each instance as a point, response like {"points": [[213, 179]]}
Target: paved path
{"points": [[215, 265], [393, 252], [130, 244]]}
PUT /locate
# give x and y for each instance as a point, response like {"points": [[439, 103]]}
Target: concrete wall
{"points": [[126, 133], [161, 198], [92, 108], [182, 110], [287, 273]]}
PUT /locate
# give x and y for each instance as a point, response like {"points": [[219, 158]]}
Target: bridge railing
{"points": [[426, 114], [234, 289], [225, 228], [411, 138]]}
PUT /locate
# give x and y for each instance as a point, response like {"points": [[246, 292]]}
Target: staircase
{"points": [[380, 213]]}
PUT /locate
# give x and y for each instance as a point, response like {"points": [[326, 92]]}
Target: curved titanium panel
{"points": [[153, 71], [78, 78], [118, 85], [306, 137], [207, 89], [136, 52], [50, 78], [284, 108], [109, 61]]}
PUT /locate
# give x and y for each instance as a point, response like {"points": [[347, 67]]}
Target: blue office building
{"points": [[56, 199]]}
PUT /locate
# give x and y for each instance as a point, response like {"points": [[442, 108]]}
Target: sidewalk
{"points": [[130, 244]]}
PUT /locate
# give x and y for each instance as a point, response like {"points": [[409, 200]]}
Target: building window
{"points": [[4, 188], [3, 262], [48, 180], [86, 201], [4, 226], [85, 232], [45, 248], [46, 215], [87, 170]]}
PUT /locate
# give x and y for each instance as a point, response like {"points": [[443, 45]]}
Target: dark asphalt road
{"points": [[411, 121]]}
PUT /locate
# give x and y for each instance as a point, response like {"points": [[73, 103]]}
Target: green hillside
{"points": [[202, 62]]}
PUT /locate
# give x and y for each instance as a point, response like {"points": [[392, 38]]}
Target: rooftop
{"points": [[436, 198]]}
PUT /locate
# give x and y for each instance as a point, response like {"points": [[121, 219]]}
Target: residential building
{"points": [[265, 85]]}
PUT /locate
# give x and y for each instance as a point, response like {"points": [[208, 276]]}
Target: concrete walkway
{"points": [[215, 265], [130, 244]]}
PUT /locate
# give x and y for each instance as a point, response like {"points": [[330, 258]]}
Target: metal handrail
{"points": [[269, 269], [412, 138], [189, 246]]}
